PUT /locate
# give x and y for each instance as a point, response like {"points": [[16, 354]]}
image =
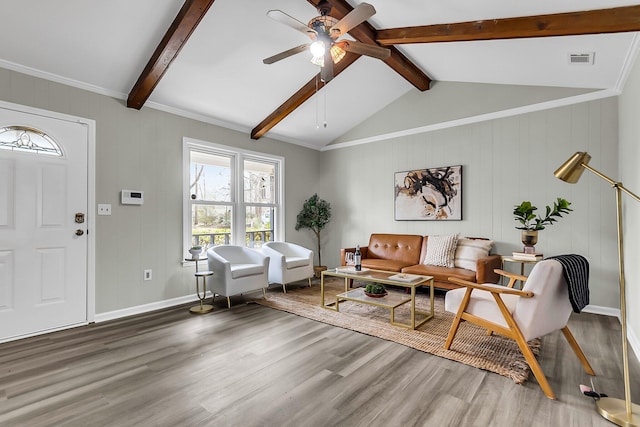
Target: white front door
{"points": [[43, 250]]}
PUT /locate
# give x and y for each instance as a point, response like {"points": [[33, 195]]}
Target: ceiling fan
{"points": [[324, 32]]}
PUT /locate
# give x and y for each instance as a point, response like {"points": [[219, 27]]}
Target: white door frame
{"points": [[91, 197]]}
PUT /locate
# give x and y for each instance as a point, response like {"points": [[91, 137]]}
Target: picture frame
{"points": [[433, 194]]}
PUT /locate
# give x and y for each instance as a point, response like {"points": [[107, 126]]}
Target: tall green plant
{"points": [[315, 215], [525, 214]]}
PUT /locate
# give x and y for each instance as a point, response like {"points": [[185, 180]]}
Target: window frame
{"points": [[239, 206]]}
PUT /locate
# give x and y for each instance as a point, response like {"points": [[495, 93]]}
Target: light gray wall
{"points": [[505, 161], [629, 105], [142, 150], [451, 101]]}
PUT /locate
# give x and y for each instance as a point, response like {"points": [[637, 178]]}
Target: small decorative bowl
{"points": [[369, 294]]}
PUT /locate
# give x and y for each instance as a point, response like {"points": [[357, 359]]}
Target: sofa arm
{"points": [[485, 267], [343, 251]]}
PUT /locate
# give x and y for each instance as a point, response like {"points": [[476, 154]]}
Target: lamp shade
{"points": [[572, 169]]}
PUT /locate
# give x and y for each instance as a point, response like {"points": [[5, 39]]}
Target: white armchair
{"points": [[289, 263], [237, 270], [541, 307]]}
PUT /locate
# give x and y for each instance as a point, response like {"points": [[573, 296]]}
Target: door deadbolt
{"points": [[79, 218], [79, 232]]}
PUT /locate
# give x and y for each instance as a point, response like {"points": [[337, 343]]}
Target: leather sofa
{"points": [[406, 253]]}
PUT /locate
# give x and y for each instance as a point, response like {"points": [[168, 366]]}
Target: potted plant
{"points": [[375, 290], [315, 215], [195, 251], [530, 223]]}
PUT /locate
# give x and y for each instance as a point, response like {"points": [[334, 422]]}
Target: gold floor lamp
{"points": [[620, 412]]}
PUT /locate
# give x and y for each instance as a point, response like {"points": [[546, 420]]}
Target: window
{"points": [[29, 140], [232, 196]]}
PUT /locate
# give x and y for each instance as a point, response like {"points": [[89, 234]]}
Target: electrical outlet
{"points": [[104, 209], [147, 275]]}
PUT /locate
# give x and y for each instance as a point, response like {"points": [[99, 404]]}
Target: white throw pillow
{"points": [[469, 251], [441, 250]]}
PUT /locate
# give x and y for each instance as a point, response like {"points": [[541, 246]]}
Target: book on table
{"points": [[527, 257], [404, 277]]}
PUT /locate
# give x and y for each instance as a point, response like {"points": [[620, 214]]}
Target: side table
{"points": [[522, 263], [202, 307]]}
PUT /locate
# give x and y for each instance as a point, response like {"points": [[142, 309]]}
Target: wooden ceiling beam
{"points": [[298, 98], [176, 37], [364, 33], [614, 20]]}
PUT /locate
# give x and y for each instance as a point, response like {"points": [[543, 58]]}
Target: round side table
{"points": [[202, 308]]}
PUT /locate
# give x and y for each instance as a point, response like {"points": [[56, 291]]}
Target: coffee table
{"points": [[391, 301]]}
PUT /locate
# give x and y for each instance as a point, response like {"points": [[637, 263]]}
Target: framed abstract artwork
{"points": [[429, 194]]}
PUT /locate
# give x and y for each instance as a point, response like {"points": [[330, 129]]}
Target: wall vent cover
{"points": [[582, 58]]}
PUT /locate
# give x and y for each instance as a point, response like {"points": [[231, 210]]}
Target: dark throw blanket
{"points": [[576, 274]]}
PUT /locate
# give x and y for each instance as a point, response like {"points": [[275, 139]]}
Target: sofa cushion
{"points": [[469, 251], [384, 264], [242, 270], [404, 248], [294, 262], [440, 274], [441, 250]]}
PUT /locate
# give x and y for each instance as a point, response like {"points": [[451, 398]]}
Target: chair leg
{"points": [[228, 302], [309, 279], [284, 288], [534, 365], [516, 334], [456, 321], [577, 350]]}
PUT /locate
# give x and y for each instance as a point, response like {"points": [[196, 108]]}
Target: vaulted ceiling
{"points": [[203, 58]]}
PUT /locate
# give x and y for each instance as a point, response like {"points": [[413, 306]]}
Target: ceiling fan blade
{"points": [[326, 73], [357, 16], [365, 49], [290, 21], [285, 54]]}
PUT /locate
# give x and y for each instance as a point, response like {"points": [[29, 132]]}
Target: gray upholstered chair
{"points": [[237, 270], [541, 307], [288, 263]]}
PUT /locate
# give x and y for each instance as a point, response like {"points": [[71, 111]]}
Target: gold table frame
{"points": [[391, 303]]}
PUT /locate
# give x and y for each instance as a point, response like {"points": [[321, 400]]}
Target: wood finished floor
{"points": [[255, 366]]}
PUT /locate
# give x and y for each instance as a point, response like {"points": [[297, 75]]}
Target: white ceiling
{"points": [[219, 75]]}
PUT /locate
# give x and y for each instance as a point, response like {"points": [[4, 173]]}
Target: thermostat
{"points": [[132, 197]]}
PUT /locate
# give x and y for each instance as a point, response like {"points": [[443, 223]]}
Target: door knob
{"points": [[79, 232]]}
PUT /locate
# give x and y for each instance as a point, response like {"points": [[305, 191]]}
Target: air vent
{"points": [[581, 58]]}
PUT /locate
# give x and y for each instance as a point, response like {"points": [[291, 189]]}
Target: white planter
{"points": [[195, 253]]}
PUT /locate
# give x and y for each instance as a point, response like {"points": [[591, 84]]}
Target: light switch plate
{"points": [[104, 209]]}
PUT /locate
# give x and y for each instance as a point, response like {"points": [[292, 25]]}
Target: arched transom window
{"points": [[26, 139]]}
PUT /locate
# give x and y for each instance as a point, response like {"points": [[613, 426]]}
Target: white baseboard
{"points": [[606, 311], [145, 308]]}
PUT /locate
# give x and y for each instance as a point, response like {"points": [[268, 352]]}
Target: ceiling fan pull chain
{"points": [[325, 106], [317, 112]]}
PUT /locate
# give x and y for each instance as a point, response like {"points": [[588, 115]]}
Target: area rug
{"points": [[471, 346]]}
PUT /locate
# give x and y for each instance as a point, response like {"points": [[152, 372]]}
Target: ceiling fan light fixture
{"points": [[318, 60], [317, 49], [337, 53]]}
